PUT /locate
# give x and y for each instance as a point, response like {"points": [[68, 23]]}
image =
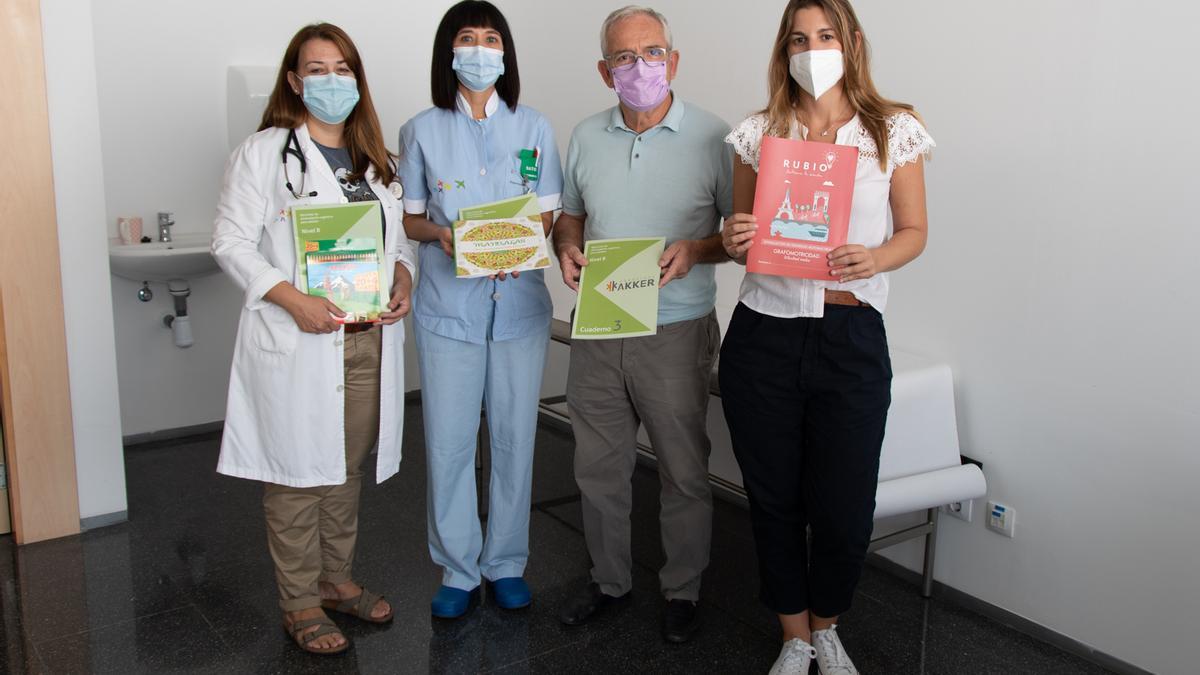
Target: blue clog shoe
{"points": [[451, 603], [511, 593]]}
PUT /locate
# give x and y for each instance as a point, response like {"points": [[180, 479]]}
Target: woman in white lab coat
{"points": [[310, 397]]}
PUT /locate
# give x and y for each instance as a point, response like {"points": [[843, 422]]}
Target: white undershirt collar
{"points": [[493, 103]]}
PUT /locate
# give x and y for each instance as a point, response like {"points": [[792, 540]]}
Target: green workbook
{"points": [[339, 250], [503, 236], [618, 289]]}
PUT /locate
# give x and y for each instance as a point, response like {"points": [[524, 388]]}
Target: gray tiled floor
{"points": [[185, 586]]}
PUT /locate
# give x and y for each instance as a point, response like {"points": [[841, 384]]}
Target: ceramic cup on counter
{"points": [[130, 229]]}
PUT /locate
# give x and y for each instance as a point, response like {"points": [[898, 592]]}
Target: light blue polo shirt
{"points": [[674, 180], [451, 161]]}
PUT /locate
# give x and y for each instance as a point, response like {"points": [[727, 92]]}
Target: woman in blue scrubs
{"points": [[478, 339]]}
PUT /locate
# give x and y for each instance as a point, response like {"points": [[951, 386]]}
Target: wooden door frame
{"points": [[35, 394]]}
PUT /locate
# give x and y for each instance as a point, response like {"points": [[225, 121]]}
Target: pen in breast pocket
{"points": [[537, 163]]}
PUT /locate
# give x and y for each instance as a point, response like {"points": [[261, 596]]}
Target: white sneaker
{"points": [[794, 659], [831, 656]]}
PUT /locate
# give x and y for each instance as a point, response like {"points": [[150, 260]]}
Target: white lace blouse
{"points": [[786, 297]]}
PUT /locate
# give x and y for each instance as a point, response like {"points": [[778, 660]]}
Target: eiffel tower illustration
{"points": [[786, 207]]}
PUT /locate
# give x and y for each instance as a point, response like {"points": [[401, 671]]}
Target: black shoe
{"points": [[579, 608], [680, 620]]}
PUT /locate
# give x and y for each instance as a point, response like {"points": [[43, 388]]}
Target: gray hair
{"points": [[625, 13]]}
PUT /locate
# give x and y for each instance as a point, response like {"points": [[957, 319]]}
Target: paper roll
{"points": [[921, 432], [929, 490]]}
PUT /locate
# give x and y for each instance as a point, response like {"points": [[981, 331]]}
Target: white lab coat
{"points": [[284, 422]]}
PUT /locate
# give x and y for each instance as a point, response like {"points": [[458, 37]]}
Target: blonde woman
{"points": [[804, 369]]}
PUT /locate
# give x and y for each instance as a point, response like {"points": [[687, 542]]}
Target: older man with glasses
{"points": [[651, 166]]}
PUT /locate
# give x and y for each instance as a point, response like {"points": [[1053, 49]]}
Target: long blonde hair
{"points": [[364, 139], [873, 110]]}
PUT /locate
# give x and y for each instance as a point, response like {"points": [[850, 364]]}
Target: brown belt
{"points": [[843, 298], [358, 327]]}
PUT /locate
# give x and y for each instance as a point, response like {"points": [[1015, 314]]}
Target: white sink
{"points": [[186, 257]]}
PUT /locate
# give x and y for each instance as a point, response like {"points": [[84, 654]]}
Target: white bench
{"points": [[920, 468]]}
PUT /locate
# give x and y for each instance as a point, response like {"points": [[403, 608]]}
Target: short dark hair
{"points": [[443, 82]]}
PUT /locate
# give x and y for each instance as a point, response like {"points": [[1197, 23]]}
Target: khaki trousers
{"points": [[660, 381], [311, 532]]}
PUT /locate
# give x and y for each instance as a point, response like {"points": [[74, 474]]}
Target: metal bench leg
{"points": [[930, 545]]}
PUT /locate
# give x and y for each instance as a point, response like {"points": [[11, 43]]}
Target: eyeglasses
{"points": [[628, 57]]}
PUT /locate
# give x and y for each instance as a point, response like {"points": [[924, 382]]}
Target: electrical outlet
{"points": [[1001, 518], [960, 510]]}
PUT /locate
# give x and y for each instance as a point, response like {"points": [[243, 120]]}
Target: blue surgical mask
{"points": [[331, 97], [478, 67]]}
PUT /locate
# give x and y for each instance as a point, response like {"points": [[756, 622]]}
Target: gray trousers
{"points": [[660, 381]]}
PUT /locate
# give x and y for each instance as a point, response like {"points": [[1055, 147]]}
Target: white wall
{"points": [[1063, 225], [1053, 283], [162, 72], [79, 202]]}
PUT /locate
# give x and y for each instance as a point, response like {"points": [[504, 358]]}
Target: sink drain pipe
{"points": [[180, 323]]}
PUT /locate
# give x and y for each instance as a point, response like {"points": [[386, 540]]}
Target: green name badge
{"points": [[529, 164]]}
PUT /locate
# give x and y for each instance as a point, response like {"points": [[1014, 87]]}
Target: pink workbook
{"points": [[802, 204]]}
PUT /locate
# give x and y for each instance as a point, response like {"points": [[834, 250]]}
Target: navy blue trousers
{"points": [[806, 402]]}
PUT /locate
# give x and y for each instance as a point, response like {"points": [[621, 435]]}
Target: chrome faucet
{"points": [[165, 220]]}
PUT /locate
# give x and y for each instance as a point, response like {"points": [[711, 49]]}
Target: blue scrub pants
{"points": [[455, 377]]}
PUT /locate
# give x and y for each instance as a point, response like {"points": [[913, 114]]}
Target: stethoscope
{"points": [[292, 147]]}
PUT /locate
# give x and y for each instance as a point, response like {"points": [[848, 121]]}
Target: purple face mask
{"points": [[641, 86]]}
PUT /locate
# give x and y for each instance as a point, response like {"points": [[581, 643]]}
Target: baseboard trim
{"points": [[1006, 618], [722, 489], [733, 494], [413, 396], [103, 520], [172, 434], [730, 493]]}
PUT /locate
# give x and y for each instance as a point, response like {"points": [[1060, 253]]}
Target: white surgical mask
{"points": [[816, 70]]}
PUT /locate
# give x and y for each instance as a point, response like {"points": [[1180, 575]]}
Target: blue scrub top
{"points": [[451, 161]]}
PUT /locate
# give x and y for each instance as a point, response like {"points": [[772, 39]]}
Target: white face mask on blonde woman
{"points": [[817, 70]]}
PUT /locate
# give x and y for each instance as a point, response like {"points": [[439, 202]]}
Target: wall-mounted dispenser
{"points": [[246, 92]]}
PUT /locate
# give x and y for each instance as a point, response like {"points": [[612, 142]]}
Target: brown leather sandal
{"points": [[304, 640], [359, 606]]}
